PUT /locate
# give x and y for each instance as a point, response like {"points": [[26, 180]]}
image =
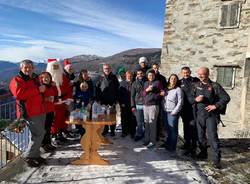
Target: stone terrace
{"points": [[130, 162]]}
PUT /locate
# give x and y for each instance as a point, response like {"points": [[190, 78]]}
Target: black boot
{"points": [[217, 165], [202, 155], [105, 130]]}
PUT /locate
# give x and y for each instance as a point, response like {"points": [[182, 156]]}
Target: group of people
{"points": [[149, 105]]}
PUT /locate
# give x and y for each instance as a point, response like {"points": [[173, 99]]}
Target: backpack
{"points": [[222, 110]]}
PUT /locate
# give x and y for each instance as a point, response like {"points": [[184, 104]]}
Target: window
{"points": [[225, 76], [230, 15]]}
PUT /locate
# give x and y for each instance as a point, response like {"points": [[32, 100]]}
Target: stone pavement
{"points": [[131, 162]]}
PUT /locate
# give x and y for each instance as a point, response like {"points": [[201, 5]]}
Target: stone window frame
{"points": [[234, 67], [229, 3]]}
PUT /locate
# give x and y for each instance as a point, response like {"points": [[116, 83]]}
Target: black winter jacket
{"points": [[107, 89], [162, 79], [124, 93], [214, 94], [152, 97]]}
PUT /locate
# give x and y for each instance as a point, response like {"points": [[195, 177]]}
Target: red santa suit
{"points": [[65, 90]]}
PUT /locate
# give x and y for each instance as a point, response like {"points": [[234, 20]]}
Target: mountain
{"points": [[6, 64], [9, 69], [128, 59]]}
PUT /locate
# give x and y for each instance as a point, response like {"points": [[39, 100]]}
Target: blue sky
{"points": [[39, 29]]}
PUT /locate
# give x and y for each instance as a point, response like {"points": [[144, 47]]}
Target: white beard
{"points": [[57, 75]]}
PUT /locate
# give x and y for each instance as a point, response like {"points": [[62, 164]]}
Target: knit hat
{"points": [[121, 70], [143, 60], [66, 63]]}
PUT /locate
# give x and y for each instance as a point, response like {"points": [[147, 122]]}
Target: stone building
{"points": [[216, 34]]}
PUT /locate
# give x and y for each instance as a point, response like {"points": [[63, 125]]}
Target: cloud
{"points": [[102, 29], [41, 49], [97, 15]]}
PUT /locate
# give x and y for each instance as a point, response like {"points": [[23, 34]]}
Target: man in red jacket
{"points": [[29, 105], [64, 90]]}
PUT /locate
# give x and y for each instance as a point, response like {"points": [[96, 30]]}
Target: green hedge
{"points": [[4, 123]]}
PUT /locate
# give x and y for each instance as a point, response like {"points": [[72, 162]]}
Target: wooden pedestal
{"points": [[92, 139]]}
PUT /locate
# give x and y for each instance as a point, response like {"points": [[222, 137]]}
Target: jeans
{"points": [[172, 130], [140, 121]]}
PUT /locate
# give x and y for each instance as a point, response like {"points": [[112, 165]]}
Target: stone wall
{"points": [[192, 37]]}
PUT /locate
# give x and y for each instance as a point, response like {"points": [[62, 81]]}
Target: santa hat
{"points": [[52, 60], [66, 63], [142, 60]]}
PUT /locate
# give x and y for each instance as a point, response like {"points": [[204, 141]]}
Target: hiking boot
{"points": [[137, 138], [217, 165], [202, 155], [104, 133], [191, 153], [56, 143], [49, 148], [41, 160], [61, 138], [150, 145], [170, 149], [163, 145], [32, 162], [124, 135], [68, 135], [132, 136], [185, 147]]}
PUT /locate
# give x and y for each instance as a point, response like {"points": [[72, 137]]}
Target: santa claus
{"points": [[65, 91]]}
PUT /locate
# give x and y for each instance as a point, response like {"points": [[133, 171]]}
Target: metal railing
{"points": [[11, 144], [7, 108]]}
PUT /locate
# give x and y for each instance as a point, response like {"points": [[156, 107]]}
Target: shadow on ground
{"points": [[235, 162], [130, 162]]}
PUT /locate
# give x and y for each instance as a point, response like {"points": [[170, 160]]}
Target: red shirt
{"points": [[49, 96]]}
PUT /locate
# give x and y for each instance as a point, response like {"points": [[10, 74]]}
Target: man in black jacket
{"points": [[187, 114], [107, 92], [158, 76], [137, 103], [211, 99]]}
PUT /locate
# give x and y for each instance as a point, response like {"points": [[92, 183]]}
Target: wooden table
{"points": [[92, 139]]}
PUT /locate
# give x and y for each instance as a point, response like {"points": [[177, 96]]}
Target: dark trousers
{"points": [[106, 129], [48, 123], [159, 124], [128, 121], [208, 126], [190, 132], [80, 130]]}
